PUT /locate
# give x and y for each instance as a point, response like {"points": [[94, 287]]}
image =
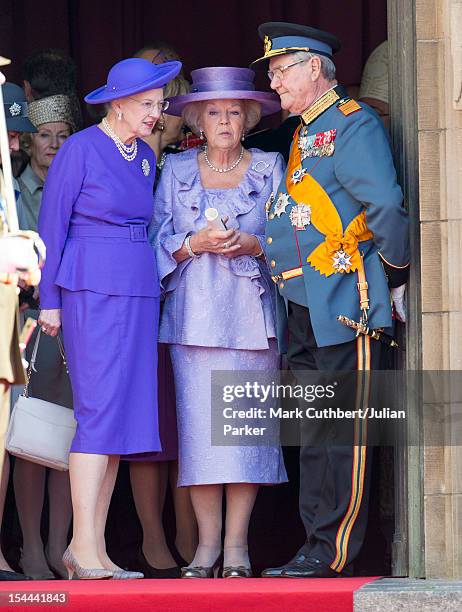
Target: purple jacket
{"points": [[94, 215], [212, 300]]}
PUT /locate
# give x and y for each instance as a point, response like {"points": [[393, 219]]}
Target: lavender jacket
{"points": [[214, 301]]}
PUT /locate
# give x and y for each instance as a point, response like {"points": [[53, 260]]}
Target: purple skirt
{"points": [[111, 349], [167, 411]]}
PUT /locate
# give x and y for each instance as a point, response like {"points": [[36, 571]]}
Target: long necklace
{"points": [[215, 169], [128, 152]]}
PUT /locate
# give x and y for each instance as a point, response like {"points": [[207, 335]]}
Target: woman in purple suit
{"points": [[100, 280], [218, 311]]}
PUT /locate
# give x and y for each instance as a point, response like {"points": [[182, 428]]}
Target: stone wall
{"points": [[439, 92]]}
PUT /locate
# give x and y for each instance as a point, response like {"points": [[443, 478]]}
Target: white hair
{"points": [[192, 114], [328, 69]]}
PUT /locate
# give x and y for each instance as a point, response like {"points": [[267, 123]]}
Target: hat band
{"points": [[225, 85], [129, 88], [287, 42], [15, 109]]}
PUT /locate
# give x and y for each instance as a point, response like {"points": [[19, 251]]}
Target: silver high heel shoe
{"points": [[122, 574], [75, 571]]}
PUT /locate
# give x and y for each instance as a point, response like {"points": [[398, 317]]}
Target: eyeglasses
{"points": [[149, 106], [279, 72]]}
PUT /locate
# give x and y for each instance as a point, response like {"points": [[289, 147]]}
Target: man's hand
{"points": [[23, 254], [397, 295]]}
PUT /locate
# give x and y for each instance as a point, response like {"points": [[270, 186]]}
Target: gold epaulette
{"points": [[321, 105], [348, 106]]}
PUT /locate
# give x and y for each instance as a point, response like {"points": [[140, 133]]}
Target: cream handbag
{"points": [[40, 431]]}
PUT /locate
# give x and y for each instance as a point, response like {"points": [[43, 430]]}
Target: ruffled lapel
{"points": [[261, 167], [255, 179], [186, 171]]}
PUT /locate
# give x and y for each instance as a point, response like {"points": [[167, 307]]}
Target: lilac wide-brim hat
{"points": [[132, 76], [224, 83]]}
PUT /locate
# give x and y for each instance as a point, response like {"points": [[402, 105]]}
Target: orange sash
{"points": [[326, 220]]}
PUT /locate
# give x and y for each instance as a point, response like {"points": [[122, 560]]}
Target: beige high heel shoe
{"points": [[75, 571]]}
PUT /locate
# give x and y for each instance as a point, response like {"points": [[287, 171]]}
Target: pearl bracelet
{"points": [[187, 244]]}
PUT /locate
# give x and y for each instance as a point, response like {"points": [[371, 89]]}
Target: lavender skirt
{"points": [[110, 344], [199, 461]]}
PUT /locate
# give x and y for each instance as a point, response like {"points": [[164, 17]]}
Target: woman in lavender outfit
{"points": [[218, 312]]}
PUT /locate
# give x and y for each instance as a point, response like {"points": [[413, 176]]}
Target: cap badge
{"points": [[145, 167], [300, 216], [267, 43], [15, 109]]}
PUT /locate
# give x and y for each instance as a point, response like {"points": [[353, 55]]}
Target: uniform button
{"points": [[273, 263], [271, 216], [281, 285], [269, 240]]}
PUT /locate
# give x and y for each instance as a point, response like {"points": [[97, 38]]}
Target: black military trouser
{"points": [[334, 477]]}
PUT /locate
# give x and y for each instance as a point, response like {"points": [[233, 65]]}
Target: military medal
{"points": [[269, 203], [145, 167], [305, 144], [341, 261], [319, 145], [298, 175], [300, 216], [281, 204]]}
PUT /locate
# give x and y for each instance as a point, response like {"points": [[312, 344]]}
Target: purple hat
{"points": [[132, 76], [224, 83]]}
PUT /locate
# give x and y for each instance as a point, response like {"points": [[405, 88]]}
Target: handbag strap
{"points": [[33, 359]]}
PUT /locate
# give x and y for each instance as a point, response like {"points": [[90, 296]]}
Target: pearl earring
{"points": [[119, 116], [243, 137], [201, 134]]}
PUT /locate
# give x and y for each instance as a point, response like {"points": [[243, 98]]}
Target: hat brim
{"points": [[20, 124], [269, 102], [165, 74]]}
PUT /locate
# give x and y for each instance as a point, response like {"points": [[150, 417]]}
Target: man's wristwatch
{"points": [[187, 244]]}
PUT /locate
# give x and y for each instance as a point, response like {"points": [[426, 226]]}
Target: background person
{"points": [[52, 72], [168, 131], [101, 277], [218, 305], [374, 83], [53, 118], [11, 368]]}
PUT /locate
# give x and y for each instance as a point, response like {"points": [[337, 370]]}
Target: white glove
{"points": [[397, 295], [22, 253]]}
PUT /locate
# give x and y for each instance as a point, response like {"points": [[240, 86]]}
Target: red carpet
{"points": [[242, 595]]}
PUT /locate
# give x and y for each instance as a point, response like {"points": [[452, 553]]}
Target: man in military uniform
{"points": [[336, 242], [11, 369]]}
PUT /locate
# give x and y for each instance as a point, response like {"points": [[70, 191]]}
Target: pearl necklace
{"points": [[128, 152], [215, 169]]}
